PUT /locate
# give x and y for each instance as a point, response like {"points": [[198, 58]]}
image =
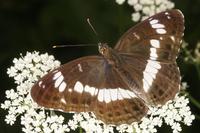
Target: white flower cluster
{"points": [[26, 71], [192, 56], [37, 120], [146, 8], [89, 123], [32, 66]]}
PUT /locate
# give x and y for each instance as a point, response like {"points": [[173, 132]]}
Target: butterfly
{"points": [[120, 84]]}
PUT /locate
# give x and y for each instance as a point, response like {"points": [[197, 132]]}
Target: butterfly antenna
{"points": [[80, 45], [70, 45], [93, 29], [88, 20]]}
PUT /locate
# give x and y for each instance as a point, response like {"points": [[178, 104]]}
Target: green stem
{"points": [[52, 113], [194, 101], [80, 129], [134, 131]]}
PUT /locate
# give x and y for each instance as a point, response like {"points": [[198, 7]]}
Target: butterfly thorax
{"points": [[110, 55]]}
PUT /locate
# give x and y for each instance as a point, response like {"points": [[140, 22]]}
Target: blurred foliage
{"points": [[28, 25]]}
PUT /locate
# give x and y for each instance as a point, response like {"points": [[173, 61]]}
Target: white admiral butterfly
{"points": [[120, 84]]}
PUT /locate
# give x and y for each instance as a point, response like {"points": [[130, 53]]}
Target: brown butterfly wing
{"points": [[149, 50], [49, 92], [157, 38], [89, 84], [157, 82]]}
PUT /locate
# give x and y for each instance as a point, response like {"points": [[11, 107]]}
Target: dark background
{"points": [[28, 25]]}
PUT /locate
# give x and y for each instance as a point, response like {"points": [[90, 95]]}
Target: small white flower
{"points": [[138, 7], [73, 124], [135, 16], [184, 85], [120, 2], [158, 2], [78, 117], [146, 10], [132, 2], [6, 104], [10, 94], [10, 119], [12, 71]]}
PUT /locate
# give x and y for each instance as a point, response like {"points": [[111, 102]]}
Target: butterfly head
{"points": [[109, 54], [103, 49]]}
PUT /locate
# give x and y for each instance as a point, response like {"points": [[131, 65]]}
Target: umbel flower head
{"points": [[34, 119], [145, 8]]}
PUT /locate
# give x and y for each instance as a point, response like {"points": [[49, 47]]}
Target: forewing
{"points": [[89, 84], [57, 89], [158, 37]]}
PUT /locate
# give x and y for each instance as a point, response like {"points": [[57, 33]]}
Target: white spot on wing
{"points": [[124, 93], [154, 64], [100, 95], [136, 35], [55, 71], [90, 90], [166, 13], [80, 68], [40, 83], [56, 75], [119, 96], [161, 31], [150, 73], [107, 97], [155, 43], [58, 81], [150, 18], [130, 93], [96, 91], [62, 86], [113, 93], [149, 79], [63, 100], [168, 17], [151, 69], [173, 39], [155, 26], [158, 27], [153, 52], [43, 86], [70, 90], [154, 21], [78, 87], [145, 85], [180, 41]]}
